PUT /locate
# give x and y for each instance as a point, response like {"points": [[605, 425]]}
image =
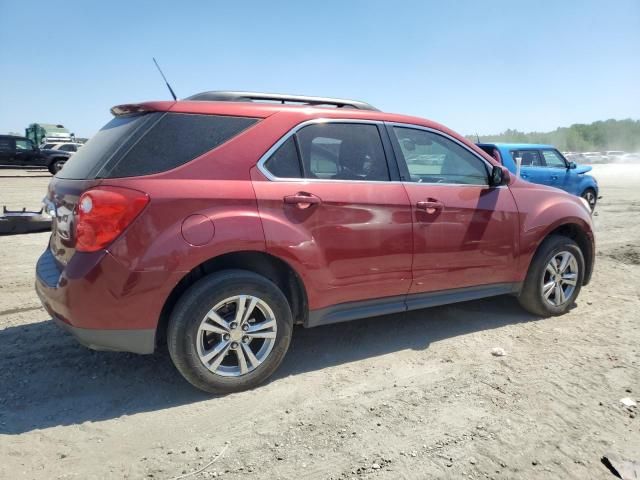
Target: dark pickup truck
{"points": [[20, 152]]}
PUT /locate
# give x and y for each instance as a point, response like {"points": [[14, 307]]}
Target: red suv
{"points": [[217, 222]]}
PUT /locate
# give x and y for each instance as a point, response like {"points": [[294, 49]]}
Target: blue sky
{"points": [[473, 65]]}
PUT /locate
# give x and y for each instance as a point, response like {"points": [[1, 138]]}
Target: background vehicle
{"points": [[21, 152], [545, 165], [218, 222], [40, 133], [65, 147]]}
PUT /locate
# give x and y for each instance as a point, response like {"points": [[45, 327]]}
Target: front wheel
{"points": [[591, 197], [230, 331], [554, 278], [56, 166]]}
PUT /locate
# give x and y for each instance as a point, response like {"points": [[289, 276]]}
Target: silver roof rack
{"points": [[224, 96]]}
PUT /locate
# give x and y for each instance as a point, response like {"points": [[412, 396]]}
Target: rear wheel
{"points": [[554, 278], [230, 331], [591, 197]]}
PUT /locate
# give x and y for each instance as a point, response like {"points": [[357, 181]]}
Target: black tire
{"points": [[531, 297], [191, 309], [56, 165], [591, 197]]}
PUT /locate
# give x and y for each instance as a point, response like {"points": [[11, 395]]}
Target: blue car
{"points": [[545, 164]]}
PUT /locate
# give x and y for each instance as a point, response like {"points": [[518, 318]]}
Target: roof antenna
{"points": [[477, 138], [165, 79]]}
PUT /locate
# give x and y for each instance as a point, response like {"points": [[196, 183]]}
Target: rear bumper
{"points": [[101, 303], [135, 341]]}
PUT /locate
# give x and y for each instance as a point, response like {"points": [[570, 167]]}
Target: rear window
{"points": [[151, 143]]}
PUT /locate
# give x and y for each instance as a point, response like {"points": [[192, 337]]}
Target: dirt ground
{"points": [[407, 396]]}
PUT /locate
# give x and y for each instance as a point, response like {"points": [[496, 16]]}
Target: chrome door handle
{"points": [[302, 200], [429, 206]]}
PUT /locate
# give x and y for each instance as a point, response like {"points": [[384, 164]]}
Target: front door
{"points": [[465, 231], [329, 207], [560, 175], [26, 154]]}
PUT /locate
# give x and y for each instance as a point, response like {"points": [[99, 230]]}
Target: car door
{"points": [[560, 176], [465, 232], [7, 150], [26, 154], [330, 208]]}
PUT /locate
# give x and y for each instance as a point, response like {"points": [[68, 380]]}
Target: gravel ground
{"points": [[407, 396]]}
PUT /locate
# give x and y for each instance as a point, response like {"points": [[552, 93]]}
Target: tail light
{"points": [[104, 213]]}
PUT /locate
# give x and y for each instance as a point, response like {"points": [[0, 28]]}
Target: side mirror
{"points": [[499, 176], [572, 165]]}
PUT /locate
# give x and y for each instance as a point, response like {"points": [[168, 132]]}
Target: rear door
{"points": [[330, 207], [465, 231]]}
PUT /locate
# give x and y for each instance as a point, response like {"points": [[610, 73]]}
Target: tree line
{"points": [[597, 136]]}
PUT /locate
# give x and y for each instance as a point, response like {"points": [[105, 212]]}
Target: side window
{"points": [[23, 144], [343, 151], [553, 160], [284, 162], [68, 148], [6, 144], [432, 158], [528, 158]]}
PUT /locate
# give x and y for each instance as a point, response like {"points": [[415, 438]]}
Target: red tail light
{"points": [[104, 213]]}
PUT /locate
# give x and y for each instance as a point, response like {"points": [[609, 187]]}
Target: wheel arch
{"points": [[265, 264], [578, 234]]}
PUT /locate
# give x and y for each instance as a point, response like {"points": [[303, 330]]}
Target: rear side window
{"points": [[175, 140], [151, 143], [7, 144]]}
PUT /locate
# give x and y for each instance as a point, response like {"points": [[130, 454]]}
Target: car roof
{"points": [[515, 146]]}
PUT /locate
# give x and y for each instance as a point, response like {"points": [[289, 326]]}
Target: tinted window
{"points": [[528, 158], [68, 148], [6, 144], [151, 143], [343, 151], [284, 162], [432, 158], [104, 144], [175, 140], [552, 159], [48, 146]]}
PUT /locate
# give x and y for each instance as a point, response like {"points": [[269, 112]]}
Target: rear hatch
{"points": [[84, 170], [135, 143]]}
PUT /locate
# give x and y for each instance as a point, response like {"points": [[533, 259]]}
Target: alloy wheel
{"points": [[560, 278], [236, 336]]}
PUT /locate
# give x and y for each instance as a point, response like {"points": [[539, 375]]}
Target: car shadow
{"points": [[49, 380]]}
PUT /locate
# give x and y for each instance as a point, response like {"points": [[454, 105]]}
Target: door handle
{"points": [[302, 200], [429, 206], [524, 175], [554, 177]]}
